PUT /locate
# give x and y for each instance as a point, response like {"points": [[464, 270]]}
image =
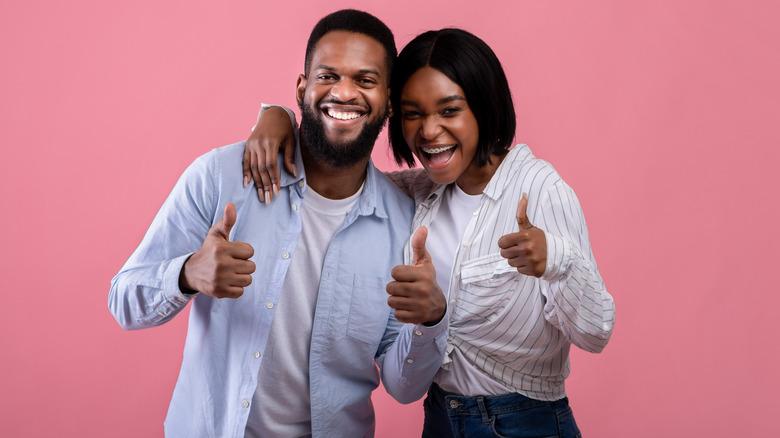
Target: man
{"points": [[292, 349]]}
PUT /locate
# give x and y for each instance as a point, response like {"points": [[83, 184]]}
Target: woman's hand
{"points": [[526, 249], [273, 132]]}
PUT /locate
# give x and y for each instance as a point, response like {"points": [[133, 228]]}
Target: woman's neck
{"points": [[474, 180]]}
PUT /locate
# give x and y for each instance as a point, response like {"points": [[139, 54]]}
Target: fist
{"points": [[415, 295], [526, 249], [220, 268]]}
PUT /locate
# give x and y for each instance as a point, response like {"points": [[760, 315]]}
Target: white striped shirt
{"points": [[515, 328]]}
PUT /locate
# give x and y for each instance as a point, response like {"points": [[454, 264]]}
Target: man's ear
{"points": [[300, 88]]}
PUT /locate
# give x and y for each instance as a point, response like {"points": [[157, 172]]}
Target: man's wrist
{"points": [[184, 285]]}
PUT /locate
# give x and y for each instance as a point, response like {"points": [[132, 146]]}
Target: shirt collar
{"points": [[368, 202], [509, 167], [286, 178]]}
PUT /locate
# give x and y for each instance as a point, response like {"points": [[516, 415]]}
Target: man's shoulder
{"points": [[229, 152], [390, 194]]}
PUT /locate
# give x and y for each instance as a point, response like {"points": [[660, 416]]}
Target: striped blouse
{"points": [[515, 328]]}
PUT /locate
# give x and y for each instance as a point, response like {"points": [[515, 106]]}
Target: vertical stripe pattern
{"points": [[515, 328]]}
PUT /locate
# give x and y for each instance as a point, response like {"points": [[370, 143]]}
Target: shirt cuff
{"points": [[559, 254], [265, 106], [422, 334], [171, 290]]}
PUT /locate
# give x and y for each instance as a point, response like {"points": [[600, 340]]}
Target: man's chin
{"points": [[341, 139]]}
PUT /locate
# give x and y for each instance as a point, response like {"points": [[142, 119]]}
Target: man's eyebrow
{"points": [[362, 71], [369, 71], [444, 100]]}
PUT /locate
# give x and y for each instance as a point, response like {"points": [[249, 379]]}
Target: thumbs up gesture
{"points": [[415, 295], [220, 268], [525, 250]]}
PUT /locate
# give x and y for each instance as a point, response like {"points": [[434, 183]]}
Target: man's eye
{"points": [[325, 77]]}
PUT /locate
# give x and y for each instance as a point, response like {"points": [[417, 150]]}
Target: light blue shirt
{"points": [[353, 328]]}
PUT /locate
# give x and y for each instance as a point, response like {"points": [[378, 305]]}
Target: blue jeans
{"points": [[511, 415]]}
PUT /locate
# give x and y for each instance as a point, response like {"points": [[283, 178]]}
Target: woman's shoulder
{"points": [[413, 182]]}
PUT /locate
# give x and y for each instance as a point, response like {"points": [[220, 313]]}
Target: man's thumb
{"points": [[522, 217], [419, 253], [223, 226]]}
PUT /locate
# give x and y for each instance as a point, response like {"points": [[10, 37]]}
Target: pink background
{"points": [[663, 115]]}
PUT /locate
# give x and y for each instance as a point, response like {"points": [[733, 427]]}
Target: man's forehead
{"points": [[339, 49]]}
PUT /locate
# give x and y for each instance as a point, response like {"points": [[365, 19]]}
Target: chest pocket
{"points": [[486, 270], [368, 309], [484, 283]]}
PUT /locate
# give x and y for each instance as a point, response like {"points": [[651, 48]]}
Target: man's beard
{"points": [[337, 155]]}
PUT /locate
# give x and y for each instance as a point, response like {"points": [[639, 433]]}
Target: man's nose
{"points": [[345, 90]]}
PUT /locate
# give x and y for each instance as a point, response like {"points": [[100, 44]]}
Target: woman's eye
{"points": [[450, 111], [410, 115]]}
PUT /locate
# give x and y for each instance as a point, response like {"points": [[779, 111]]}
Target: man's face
{"points": [[344, 100]]}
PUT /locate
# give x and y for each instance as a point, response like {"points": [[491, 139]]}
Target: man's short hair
{"points": [[352, 20], [469, 62]]}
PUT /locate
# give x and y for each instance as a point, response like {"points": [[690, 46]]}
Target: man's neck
{"points": [[333, 183]]}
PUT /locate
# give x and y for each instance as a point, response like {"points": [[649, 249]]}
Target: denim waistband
{"points": [[485, 405]]}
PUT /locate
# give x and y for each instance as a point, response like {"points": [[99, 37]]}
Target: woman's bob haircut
{"points": [[471, 64]]}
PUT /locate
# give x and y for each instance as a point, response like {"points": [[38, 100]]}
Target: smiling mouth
{"points": [[343, 115], [438, 155]]}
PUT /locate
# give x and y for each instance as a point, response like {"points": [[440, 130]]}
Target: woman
{"points": [[507, 238]]}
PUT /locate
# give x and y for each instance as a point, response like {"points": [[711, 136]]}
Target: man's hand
{"points": [[415, 295], [525, 250], [272, 133], [220, 268]]}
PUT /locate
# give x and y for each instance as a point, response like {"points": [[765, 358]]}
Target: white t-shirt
{"points": [[457, 209], [281, 403]]}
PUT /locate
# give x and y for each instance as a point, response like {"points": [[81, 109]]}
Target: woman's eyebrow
{"points": [[449, 99], [441, 101]]}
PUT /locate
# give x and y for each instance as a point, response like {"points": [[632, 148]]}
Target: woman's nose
{"points": [[430, 128]]}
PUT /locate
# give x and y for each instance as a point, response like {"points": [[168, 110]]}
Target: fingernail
{"points": [[267, 198], [276, 190], [260, 195], [295, 171], [246, 180]]}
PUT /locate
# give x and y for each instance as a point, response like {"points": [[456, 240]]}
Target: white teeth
{"points": [[342, 116], [437, 150]]}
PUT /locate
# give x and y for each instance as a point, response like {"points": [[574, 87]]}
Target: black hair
{"points": [[352, 20], [469, 62]]}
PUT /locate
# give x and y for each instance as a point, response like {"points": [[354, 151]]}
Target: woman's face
{"points": [[440, 128]]}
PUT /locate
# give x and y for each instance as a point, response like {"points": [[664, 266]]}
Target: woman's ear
{"points": [[389, 105]]}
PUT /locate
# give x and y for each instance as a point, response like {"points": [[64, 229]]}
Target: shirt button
{"points": [[418, 332], [476, 212], [300, 183], [270, 305], [245, 404], [161, 313], [295, 207], [181, 299], [257, 354], [285, 255], [410, 360]]}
